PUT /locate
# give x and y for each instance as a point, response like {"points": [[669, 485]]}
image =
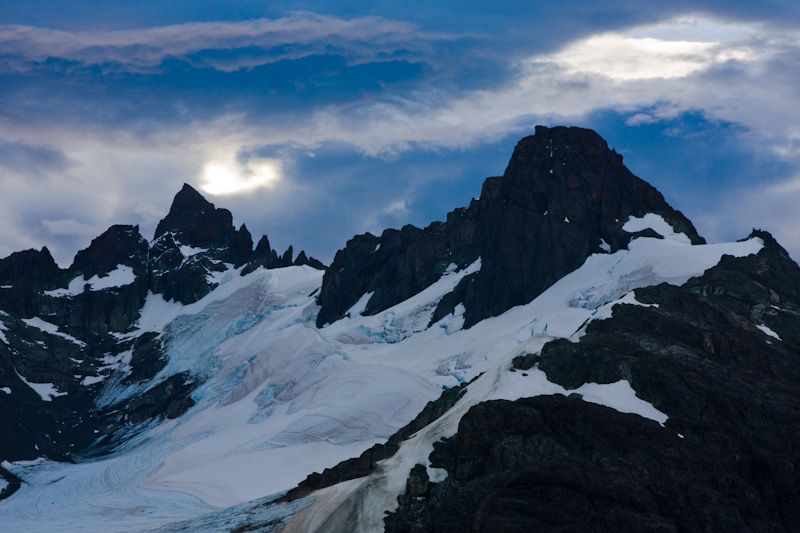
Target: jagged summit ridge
{"points": [[196, 240], [563, 197], [89, 312], [118, 245]]}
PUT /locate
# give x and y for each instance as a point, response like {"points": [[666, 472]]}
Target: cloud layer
{"points": [[314, 127], [225, 46]]}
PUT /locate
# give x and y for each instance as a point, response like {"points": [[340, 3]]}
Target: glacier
{"points": [[280, 398]]}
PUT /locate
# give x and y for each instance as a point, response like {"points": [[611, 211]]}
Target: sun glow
{"points": [[233, 177]]}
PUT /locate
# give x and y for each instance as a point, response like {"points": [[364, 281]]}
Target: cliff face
{"points": [[563, 197]]}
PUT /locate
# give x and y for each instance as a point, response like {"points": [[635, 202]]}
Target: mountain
{"points": [[67, 332], [562, 185], [566, 353]]}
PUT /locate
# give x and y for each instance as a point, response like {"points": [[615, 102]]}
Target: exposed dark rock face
{"points": [[147, 357], [24, 276], [265, 256], [303, 259], [194, 240], [563, 194], [119, 245], [357, 467], [726, 459], [553, 463], [32, 270], [170, 398], [59, 425]]}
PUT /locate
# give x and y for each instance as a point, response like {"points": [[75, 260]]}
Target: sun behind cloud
{"points": [[225, 177]]}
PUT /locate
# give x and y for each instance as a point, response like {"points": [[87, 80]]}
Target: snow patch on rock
{"points": [[52, 329], [768, 331], [46, 391], [119, 277], [656, 223]]}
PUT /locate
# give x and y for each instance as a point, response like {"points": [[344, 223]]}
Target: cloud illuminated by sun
{"points": [[665, 53], [223, 177]]}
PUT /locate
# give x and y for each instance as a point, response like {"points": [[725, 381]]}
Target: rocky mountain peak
{"points": [[563, 197], [196, 239], [196, 222], [29, 267], [571, 173], [187, 205]]}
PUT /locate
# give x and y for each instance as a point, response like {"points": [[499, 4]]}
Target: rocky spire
{"points": [[189, 207], [195, 222]]}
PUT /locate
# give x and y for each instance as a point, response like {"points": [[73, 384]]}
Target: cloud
{"points": [[70, 227], [149, 215], [623, 58], [245, 43], [611, 70]]}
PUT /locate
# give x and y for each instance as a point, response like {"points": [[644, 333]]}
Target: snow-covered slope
{"points": [[280, 398]]}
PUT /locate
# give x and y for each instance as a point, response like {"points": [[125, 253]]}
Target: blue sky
{"points": [[313, 121]]}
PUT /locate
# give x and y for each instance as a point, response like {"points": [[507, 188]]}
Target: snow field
{"points": [[657, 224]]}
